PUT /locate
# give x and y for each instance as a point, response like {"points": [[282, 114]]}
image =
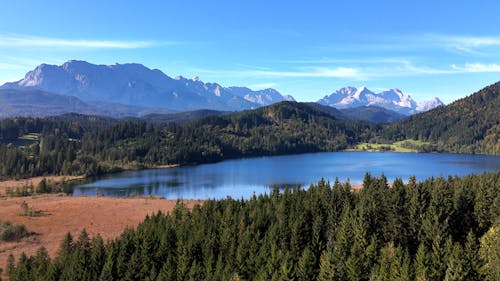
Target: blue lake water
{"points": [[244, 177]]}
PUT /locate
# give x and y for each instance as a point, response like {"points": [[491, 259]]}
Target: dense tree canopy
{"points": [[469, 125], [76, 144], [437, 229]]}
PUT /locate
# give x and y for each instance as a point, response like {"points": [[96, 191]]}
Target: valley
{"points": [[76, 145], [249, 140]]}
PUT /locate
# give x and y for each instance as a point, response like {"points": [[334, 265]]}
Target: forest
{"points": [[75, 144], [88, 145], [436, 229], [469, 125]]}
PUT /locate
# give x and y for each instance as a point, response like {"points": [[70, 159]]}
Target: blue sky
{"points": [[308, 49]]}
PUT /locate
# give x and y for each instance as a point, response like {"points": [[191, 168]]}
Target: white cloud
{"points": [[470, 45], [11, 66], [366, 60], [320, 72], [469, 41], [476, 68], [312, 72], [47, 42]]}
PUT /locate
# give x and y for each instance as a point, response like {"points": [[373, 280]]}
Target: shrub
{"points": [[12, 232]]}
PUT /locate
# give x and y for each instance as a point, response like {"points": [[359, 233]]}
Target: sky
{"points": [[307, 49]]}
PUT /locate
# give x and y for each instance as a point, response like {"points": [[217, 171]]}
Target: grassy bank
{"points": [[408, 145]]}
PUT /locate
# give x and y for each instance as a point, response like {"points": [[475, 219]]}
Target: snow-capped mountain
{"points": [[393, 99], [135, 84], [428, 105], [263, 97]]}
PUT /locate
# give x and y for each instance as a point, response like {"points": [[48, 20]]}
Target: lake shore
{"points": [[34, 181], [60, 214], [51, 179]]}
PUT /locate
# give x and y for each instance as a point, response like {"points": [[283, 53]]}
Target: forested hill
{"points": [[438, 229], [469, 125], [76, 144]]}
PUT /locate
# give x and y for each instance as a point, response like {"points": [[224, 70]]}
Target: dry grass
{"points": [[62, 214]]}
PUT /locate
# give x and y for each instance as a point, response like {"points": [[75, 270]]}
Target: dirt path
{"points": [[62, 214]]}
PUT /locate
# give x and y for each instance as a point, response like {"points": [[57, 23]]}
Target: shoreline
{"points": [[34, 181], [53, 179]]}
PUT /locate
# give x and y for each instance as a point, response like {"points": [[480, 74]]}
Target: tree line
{"points": [[436, 229], [469, 125], [77, 144], [88, 145]]}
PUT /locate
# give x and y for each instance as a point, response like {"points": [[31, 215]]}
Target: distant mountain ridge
{"points": [[134, 90], [394, 99], [135, 84], [37, 103]]}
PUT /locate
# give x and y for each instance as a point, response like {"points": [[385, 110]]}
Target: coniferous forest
{"points": [[89, 145], [437, 229]]}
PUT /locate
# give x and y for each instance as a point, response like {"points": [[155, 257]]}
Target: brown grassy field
{"points": [[61, 214]]}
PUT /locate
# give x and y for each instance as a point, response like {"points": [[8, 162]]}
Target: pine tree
{"points": [[10, 265], [41, 263], [107, 271], [97, 257], [326, 267], [65, 250], [195, 272], [166, 273], [455, 267], [472, 263], [306, 266], [421, 264], [23, 270], [490, 254], [343, 244]]}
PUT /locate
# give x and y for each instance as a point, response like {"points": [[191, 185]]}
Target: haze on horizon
{"points": [[304, 49]]}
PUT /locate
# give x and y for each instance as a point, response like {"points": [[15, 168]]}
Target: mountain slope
{"points": [[180, 117], [135, 84], [394, 99], [108, 144], [469, 125], [37, 103], [364, 113], [373, 114]]}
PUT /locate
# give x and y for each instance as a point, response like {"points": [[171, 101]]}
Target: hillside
{"points": [[469, 125], [373, 114], [75, 144], [37, 103], [180, 117]]}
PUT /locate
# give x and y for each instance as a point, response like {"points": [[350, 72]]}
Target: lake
{"points": [[244, 177]]}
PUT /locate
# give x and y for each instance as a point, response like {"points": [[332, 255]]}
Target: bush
{"points": [[12, 232], [27, 211]]}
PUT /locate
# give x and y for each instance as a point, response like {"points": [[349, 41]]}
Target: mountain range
{"points": [[134, 90], [135, 84], [393, 99]]}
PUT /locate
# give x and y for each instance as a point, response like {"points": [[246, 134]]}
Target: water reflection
{"points": [[246, 177]]}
